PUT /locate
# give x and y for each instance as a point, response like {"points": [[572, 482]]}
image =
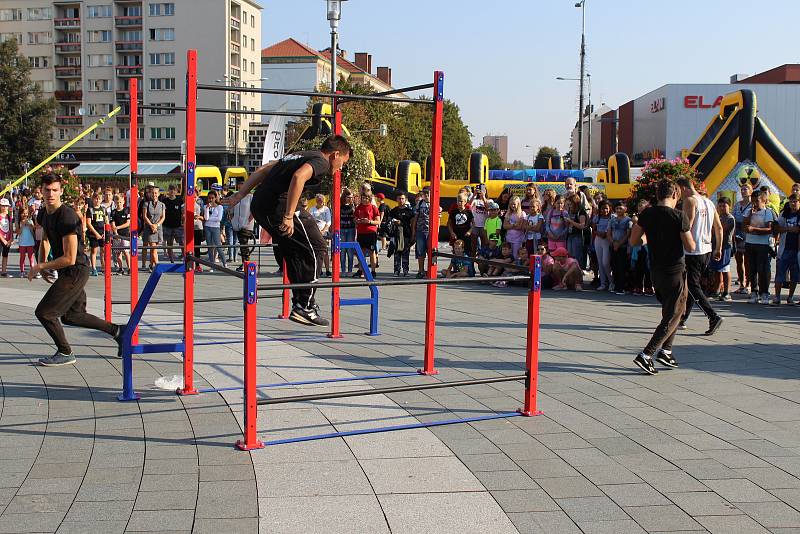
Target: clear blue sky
{"points": [[501, 57]]}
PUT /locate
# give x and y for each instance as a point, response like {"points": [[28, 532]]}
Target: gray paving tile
{"points": [[772, 514], [34, 522], [733, 524], [703, 503], [619, 526], [740, 491], [166, 500], [456, 513], [92, 527], [100, 511], [634, 495], [160, 520], [242, 472], [245, 525], [672, 481], [107, 492], [488, 462], [769, 477], [533, 500], [42, 486], [543, 523], [563, 487], [313, 478], [662, 518], [591, 509], [409, 475], [553, 467], [27, 504], [609, 474], [322, 514]]}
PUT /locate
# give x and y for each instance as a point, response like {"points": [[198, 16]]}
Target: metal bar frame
{"points": [[532, 340], [191, 258], [107, 272], [234, 111], [312, 382], [311, 94], [133, 156], [250, 439], [372, 301], [336, 241], [408, 89], [285, 295], [393, 282]]}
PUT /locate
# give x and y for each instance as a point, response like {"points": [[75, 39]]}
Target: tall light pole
{"points": [[582, 5], [334, 15], [580, 119], [589, 141]]}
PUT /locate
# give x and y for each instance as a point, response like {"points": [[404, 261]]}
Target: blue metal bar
{"points": [[392, 428], [355, 302], [157, 348], [373, 290], [309, 382]]}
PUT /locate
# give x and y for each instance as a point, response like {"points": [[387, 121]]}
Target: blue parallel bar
{"points": [[156, 348], [373, 291], [355, 302], [309, 382], [392, 428], [263, 339]]}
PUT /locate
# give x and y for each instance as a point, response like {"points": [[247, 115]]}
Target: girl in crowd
{"points": [[535, 225], [740, 255], [548, 201], [347, 226], [578, 222], [213, 218], [479, 207], [555, 222], [25, 233], [531, 195], [602, 243], [516, 225], [322, 215], [120, 226], [6, 234], [199, 232]]}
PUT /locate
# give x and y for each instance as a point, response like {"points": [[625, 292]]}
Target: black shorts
{"points": [[96, 243], [4, 250], [368, 241]]}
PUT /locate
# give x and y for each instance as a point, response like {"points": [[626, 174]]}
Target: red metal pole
{"points": [[133, 204], [532, 347], [433, 236], [286, 295], [188, 224], [107, 271], [336, 196], [250, 440]]}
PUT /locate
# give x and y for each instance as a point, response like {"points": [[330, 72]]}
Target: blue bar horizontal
{"points": [[309, 382], [355, 302], [156, 348], [392, 428]]}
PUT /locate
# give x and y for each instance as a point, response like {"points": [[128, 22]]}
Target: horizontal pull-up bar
{"points": [[236, 111], [212, 265], [495, 263], [397, 389], [178, 247], [400, 282], [408, 89], [313, 94], [197, 301]]}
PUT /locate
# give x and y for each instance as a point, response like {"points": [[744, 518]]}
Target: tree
{"points": [[26, 118], [495, 161], [544, 153]]}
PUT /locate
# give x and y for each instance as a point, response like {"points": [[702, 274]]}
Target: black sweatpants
{"points": [[671, 291], [245, 236], [695, 265], [619, 268], [758, 267], [65, 302], [299, 251]]}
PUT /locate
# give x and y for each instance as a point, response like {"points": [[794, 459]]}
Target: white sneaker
{"points": [[753, 299], [765, 298]]}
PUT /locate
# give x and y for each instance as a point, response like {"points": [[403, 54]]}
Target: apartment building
{"points": [[85, 52]]}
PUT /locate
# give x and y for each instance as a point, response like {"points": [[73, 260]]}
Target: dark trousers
{"points": [[758, 267], [671, 291], [299, 251], [65, 302], [199, 236], [695, 266], [641, 272], [619, 267], [245, 237]]}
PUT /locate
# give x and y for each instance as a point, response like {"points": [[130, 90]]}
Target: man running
{"points": [[703, 220], [667, 233], [65, 301], [274, 207]]}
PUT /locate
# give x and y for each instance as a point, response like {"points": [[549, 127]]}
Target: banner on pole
{"points": [[274, 141]]}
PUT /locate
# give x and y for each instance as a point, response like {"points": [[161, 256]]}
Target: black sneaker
{"points": [[307, 317], [420, 275], [664, 357], [358, 274], [118, 338], [645, 363], [373, 274], [57, 360], [713, 325], [240, 269], [681, 326], [397, 273]]}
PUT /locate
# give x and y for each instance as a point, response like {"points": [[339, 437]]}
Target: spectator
{"points": [[347, 228], [516, 225], [459, 223], [493, 224], [759, 224], [120, 227], [231, 238], [548, 202], [533, 234], [243, 224], [571, 186], [386, 220], [502, 202], [531, 195], [739, 210], [367, 217], [199, 230], [6, 234], [25, 239], [721, 269], [555, 222], [577, 226], [523, 258], [152, 232], [95, 224], [478, 206], [641, 282], [420, 228], [322, 215], [172, 228], [566, 271], [401, 217], [789, 228], [460, 267], [212, 215], [490, 251], [602, 243], [620, 227], [506, 256]]}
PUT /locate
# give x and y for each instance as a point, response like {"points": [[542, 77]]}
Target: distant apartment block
{"points": [[500, 144]]}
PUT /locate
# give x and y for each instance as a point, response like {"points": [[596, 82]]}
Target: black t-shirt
{"points": [[97, 218], [404, 214], [462, 221], [62, 222], [173, 211], [120, 217], [663, 227], [384, 210], [347, 217], [272, 191]]}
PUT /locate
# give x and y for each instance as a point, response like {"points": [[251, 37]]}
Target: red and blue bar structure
{"points": [[107, 271], [133, 204], [532, 339], [188, 224], [336, 242], [433, 223], [374, 295], [250, 302], [286, 296]]}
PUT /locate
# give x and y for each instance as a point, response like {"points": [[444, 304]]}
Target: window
{"points": [[244, 41], [40, 37], [253, 21], [252, 44], [99, 85], [162, 34], [46, 86], [253, 67], [101, 60], [125, 133], [8, 36], [131, 35], [165, 58], [40, 13], [10, 14], [162, 133], [169, 108], [97, 12], [100, 36], [39, 62], [71, 61], [131, 60], [162, 84], [99, 109], [132, 11], [162, 9], [244, 17], [71, 37], [102, 134]]}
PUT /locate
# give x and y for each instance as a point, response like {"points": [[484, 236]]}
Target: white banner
{"points": [[274, 140]]}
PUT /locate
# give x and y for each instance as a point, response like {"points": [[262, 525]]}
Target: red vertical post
{"points": [[107, 271], [336, 242], [250, 299], [532, 346], [433, 236], [188, 224], [286, 294], [133, 203]]}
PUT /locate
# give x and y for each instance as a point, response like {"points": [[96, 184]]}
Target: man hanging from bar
{"points": [[295, 232]]}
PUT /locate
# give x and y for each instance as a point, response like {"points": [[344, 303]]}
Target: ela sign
{"points": [[658, 105], [697, 102]]}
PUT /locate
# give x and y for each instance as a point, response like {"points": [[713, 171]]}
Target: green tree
{"points": [[26, 118], [495, 161]]}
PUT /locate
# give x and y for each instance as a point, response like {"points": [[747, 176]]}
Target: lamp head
{"points": [[334, 12]]}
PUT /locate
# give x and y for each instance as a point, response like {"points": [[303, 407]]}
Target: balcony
{"points": [[68, 47], [68, 71], [235, 23], [235, 48], [129, 46], [128, 21], [126, 119], [69, 96], [129, 70], [236, 72], [124, 94], [66, 24], [69, 120]]}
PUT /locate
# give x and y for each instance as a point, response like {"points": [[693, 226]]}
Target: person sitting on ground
{"points": [[721, 269], [566, 271], [489, 252], [367, 217], [460, 267], [506, 256], [789, 228]]}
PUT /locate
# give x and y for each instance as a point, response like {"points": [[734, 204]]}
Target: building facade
{"points": [[499, 143], [84, 54]]}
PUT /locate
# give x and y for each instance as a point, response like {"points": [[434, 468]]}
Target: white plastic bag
{"points": [[169, 382]]}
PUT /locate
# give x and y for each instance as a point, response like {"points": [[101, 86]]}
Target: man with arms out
{"points": [[275, 208], [703, 220], [667, 232], [65, 301]]}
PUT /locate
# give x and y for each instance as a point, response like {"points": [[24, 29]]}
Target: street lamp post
{"points": [[334, 15], [580, 119], [582, 5], [589, 140]]}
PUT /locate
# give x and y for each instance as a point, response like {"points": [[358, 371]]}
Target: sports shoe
{"points": [[397, 273], [664, 357], [791, 301], [775, 302], [373, 274], [405, 273], [714, 324], [645, 363], [240, 269], [307, 317], [602, 288], [499, 283], [23, 274], [649, 292], [94, 272], [57, 360], [725, 297], [118, 338], [619, 292], [681, 326], [744, 290], [753, 299], [420, 275], [765, 299]]}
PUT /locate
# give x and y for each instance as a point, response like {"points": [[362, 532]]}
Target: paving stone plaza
{"points": [[713, 446]]}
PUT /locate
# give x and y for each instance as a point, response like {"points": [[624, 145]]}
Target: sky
{"points": [[501, 58]]}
